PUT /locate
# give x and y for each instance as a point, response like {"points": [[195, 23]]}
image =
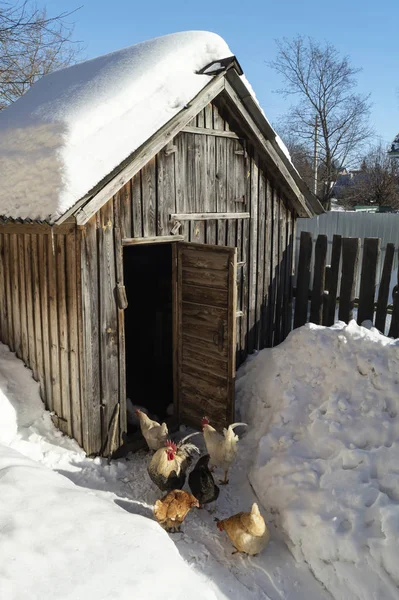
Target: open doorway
{"points": [[148, 331]]}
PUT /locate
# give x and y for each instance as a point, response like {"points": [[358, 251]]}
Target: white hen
{"points": [[221, 448], [155, 434]]}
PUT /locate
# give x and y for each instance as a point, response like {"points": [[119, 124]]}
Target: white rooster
{"points": [[155, 434], [221, 448]]}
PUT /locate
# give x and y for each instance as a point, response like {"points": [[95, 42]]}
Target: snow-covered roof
{"points": [[74, 126]]}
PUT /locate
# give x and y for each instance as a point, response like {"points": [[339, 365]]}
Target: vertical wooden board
{"points": [[333, 279], [15, 296], [82, 366], [279, 311], [383, 292], [30, 319], [267, 258], [9, 304], [231, 192], [210, 171], [394, 327], [3, 296], [303, 279], [137, 208], [275, 267], [53, 325], [108, 324], [149, 208], [118, 253], [245, 267], [371, 255], [199, 187], [166, 191], [65, 424], [350, 261], [73, 336], [23, 300], [288, 293], [221, 177], [231, 335], [44, 314], [125, 215], [284, 269], [260, 266], [319, 274], [181, 181], [253, 254], [90, 351], [34, 310]]}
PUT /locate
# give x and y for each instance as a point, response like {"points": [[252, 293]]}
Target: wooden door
{"points": [[205, 333]]}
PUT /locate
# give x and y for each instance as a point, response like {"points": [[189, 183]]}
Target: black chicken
{"points": [[201, 482]]}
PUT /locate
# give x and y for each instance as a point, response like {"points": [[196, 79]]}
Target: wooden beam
{"points": [[215, 132], [208, 216], [140, 157], [36, 228], [160, 239], [296, 196]]}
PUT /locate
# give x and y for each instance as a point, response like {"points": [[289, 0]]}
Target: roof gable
{"points": [[76, 125]]}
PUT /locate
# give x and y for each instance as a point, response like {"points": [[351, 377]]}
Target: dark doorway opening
{"points": [[149, 329]]}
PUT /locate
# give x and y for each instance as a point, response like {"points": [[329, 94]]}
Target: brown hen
{"points": [[171, 510], [247, 531]]}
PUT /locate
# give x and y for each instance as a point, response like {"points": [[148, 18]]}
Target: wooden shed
{"points": [[164, 276]]}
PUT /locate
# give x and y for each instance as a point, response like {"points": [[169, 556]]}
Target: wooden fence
{"points": [[335, 284]]}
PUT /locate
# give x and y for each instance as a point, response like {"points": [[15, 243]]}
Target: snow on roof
{"points": [[74, 126]]}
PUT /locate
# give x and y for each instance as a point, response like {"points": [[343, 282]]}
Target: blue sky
{"points": [[366, 32]]}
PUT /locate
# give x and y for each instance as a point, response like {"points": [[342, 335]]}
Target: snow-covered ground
{"points": [[78, 528], [323, 409], [322, 455]]}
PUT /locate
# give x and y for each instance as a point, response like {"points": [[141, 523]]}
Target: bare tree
{"points": [[323, 82], [32, 44], [375, 183]]}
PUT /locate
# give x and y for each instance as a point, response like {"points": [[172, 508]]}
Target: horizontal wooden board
{"points": [[209, 351], [203, 277], [209, 408], [194, 358], [206, 322], [204, 295], [215, 216], [204, 260], [200, 372]]}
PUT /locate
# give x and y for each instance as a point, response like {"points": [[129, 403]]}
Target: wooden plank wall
{"points": [[200, 173], [38, 315]]}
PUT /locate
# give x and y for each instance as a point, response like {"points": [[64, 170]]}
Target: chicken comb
{"points": [[171, 445], [205, 421]]}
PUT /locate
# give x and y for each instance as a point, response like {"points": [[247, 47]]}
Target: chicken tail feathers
{"points": [[190, 435]]}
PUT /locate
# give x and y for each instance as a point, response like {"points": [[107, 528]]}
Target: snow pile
{"points": [[324, 411], [62, 542], [74, 126]]}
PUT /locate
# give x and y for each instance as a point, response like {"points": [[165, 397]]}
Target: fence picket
{"points": [[383, 292], [371, 253], [303, 280], [394, 328], [333, 280], [350, 261], [316, 305]]}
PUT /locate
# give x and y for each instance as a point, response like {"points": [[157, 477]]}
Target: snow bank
{"points": [[65, 543], [324, 412], [74, 126]]}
